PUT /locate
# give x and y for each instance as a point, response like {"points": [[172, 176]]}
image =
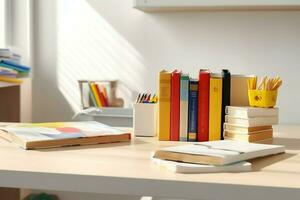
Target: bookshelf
{"points": [[15, 101], [185, 5]]}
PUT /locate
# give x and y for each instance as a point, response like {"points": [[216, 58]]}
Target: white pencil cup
{"points": [[144, 119]]}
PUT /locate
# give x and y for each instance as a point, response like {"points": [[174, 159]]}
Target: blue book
{"points": [[15, 66], [193, 111], [184, 107]]}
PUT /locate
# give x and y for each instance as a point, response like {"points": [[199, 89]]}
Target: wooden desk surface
{"points": [[126, 168]]}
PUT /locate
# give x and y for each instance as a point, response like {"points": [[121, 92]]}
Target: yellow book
{"points": [[215, 107], [164, 105], [95, 93], [10, 80]]}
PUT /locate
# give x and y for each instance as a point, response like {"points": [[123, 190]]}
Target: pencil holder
{"points": [[144, 119], [262, 98]]}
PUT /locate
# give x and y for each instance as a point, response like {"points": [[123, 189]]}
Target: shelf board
{"points": [[185, 5]]}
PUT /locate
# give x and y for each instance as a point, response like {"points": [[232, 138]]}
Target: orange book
{"points": [[104, 92], [96, 95], [100, 95]]}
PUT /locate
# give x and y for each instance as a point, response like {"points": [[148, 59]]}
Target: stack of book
{"points": [[213, 156], [250, 124], [194, 109], [10, 68]]}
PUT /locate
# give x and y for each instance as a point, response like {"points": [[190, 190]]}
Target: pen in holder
{"points": [[265, 95], [144, 119]]}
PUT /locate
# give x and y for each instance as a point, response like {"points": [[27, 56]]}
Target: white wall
{"points": [[19, 40], [78, 39]]}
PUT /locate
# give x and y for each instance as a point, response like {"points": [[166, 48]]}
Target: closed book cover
{"points": [[220, 152], [101, 96], [164, 105], [184, 104], [258, 136], [193, 111], [244, 129], [95, 93], [252, 121], [93, 99], [175, 105], [190, 168], [14, 65], [215, 107], [247, 112], [239, 90], [225, 96], [203, 105]]}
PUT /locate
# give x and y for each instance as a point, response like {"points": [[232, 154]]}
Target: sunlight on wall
{"points": [[88, 47]]}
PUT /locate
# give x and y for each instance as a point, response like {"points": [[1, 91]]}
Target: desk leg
{"points": [[10, 193]]}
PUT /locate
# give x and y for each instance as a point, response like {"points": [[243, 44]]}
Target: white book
{"points": [[220, 152], [248, 112], [253, 121], [190, 168]]}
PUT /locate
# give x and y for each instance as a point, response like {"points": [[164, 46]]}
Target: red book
{"points": [[203, 105], [100, 94], [175, 105]]}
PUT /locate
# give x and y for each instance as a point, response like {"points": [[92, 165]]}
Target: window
{"points": [[3, 24]]}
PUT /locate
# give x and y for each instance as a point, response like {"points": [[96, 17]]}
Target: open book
{"points": [[217, 152], [58, 134]]}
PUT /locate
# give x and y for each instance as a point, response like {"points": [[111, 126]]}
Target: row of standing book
{"points": [[194, 109], [98, 94], [11, 68]]}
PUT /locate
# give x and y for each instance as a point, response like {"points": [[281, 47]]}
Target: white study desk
{"points": [[126, 169]]}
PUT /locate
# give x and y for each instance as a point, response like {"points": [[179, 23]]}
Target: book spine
{"points": [[94, 90], [203, 105], [225, 96], [175, 105], [100, 95], [91, 94], [193, 111], [164, 107], [184, 103], [11, 63], [13, 67], [215, 108]]}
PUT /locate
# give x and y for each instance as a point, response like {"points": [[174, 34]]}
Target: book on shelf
{"points": [[175, 105], [184, 106], [203, 105], [95, 93], [252, 121], [252, 137], [193, 110], [248, 112], [10, 68], [59, 134], [220, 152], [239, 90], [215, 107], [225, 96], [190, 168], [240, 129], [164, 105]]}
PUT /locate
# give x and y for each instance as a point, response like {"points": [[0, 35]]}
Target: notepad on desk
{"points": [[221, 152], [58, 134]]}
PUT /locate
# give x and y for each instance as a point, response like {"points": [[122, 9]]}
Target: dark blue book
{"points": [[14, 65], [193, 111]]}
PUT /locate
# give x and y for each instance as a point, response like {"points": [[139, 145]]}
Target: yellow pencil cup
{"points": [[262, 98]]}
